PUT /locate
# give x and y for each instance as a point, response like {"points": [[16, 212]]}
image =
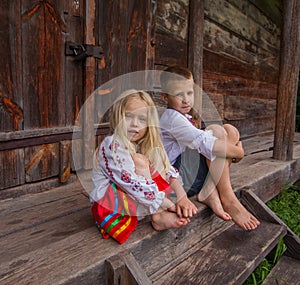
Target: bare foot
{"points": [[241, 216], [167, 220], [213, 201]]}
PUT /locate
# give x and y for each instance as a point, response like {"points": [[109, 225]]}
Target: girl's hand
{"points": [[185, 208], [142, 165]]}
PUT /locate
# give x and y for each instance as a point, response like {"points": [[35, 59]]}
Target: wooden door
{"points": [[41, 90]]}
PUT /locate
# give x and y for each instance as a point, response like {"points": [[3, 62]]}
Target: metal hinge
{"points": [[82, 51]]}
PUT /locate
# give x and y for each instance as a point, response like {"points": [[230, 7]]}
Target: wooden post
{"points": [[195, 47], [288, 81], [196, 26], [90, 82], [123, 269]]}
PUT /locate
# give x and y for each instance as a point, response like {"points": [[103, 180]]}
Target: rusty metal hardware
{"points": [[82, 51]]}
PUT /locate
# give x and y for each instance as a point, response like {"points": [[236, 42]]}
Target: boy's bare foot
{"points": [[167, 220], [241, 216], [213, 201]]}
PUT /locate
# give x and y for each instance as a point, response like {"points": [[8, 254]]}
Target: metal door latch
{"points": [[82, 51]]}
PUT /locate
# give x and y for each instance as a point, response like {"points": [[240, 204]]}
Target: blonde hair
{"points": [[150, 145]]}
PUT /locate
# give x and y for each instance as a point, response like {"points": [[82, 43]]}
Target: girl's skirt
{"points": [[115, 213]]}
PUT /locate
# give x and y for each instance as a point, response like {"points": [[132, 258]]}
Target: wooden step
{"points": [[286, 272], [50, 238], [228, 258]]}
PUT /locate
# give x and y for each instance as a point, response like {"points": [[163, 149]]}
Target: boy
{"points": [[203, 157]]}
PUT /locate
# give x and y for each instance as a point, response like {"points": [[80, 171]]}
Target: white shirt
{"points": [[118, 167], [178, 133]]}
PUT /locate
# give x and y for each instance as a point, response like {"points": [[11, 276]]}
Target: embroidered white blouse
{"points": [[178, 133], [118, 167]]}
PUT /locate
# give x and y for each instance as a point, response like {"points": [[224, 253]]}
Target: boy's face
{"points": [[180, 95]]}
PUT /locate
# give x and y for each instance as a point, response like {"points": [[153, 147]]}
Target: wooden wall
{"points": [[241, 61], [42, 90], [241, 43]]}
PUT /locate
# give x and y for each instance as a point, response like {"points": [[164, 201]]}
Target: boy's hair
{"points": [[174, 73], [178, 73], [151, 145]]}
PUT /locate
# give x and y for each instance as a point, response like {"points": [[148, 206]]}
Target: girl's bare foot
{"points": [[241, 216], [167, 220], [213, 201]]}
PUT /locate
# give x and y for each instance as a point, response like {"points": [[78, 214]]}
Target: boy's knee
{"points": [[232, 133], [218, 131]]}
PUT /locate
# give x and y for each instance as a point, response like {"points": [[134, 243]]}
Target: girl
{"points": [[132, 173], [215, 147]]}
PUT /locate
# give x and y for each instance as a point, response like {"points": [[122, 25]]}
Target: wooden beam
{"points": [[195, 41], [195, 48], [123, 269], [21, 139], [254, 204], [89, 85], [288, 81]]}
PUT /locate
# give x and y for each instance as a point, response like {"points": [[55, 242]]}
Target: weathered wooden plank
{"points": [[44, 233], [234, 20], [286, 271], [166, 56], [241, 108], [64, 157], [233, 248], [252, 126], [253, 203], [172, 17], [42, 25], [172, 33], [12, 171], [266, 177], [221, 64], [176, 245], [273, 9], [223, 41], [62, 262], [74, 85], [266, 13], [77, 259], [35, 133], [11, 206], [11, 113], [126, 40], [239, 85], [41, 162], [41, 213], [33, 188]]}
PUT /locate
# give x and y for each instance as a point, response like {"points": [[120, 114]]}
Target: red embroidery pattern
{"points": [[149, 195], [106, 163], [125, 176]]}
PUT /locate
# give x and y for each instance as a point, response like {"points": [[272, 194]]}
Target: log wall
{"points": [[42, 90]]}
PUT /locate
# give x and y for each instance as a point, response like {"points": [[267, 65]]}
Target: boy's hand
{"points": [[185, 208]]}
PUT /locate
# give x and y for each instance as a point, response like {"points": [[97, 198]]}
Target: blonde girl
{"points": [[132, 174]]}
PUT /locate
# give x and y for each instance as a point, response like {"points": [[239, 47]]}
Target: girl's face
{"points": [[136, 119], [181, 95]]}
